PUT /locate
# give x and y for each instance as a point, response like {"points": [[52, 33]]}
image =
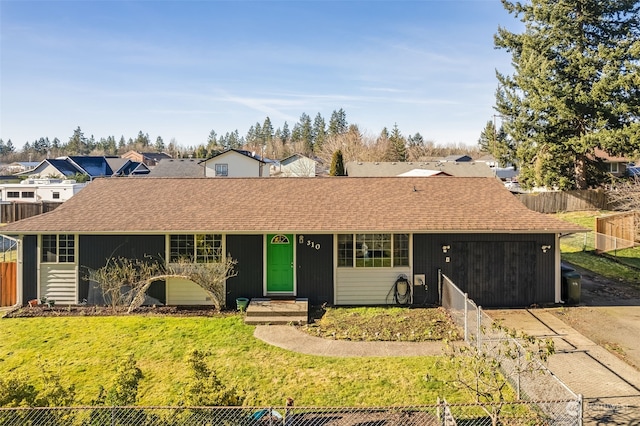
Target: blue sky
{"points": [[181, 69]]}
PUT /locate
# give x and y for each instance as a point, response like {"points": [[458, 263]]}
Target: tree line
{"points": [[315, 138]]}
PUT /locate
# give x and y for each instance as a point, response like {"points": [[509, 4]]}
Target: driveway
{"points": [[597, 347]]}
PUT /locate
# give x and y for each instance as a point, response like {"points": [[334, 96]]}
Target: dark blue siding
{"points": [[314, 272], [247, 250], [95, 250], [29, 268]]}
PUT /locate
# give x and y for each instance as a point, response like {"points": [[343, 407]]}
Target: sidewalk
{"points": [[292, 339]]}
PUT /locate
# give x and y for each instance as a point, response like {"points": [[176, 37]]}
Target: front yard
{"points": [[85, 351]]}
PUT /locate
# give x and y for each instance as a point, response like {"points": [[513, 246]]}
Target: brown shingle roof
{"points": [[302, 205]]}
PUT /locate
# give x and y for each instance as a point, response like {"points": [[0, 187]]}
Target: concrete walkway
{"points": [[292, 339]]}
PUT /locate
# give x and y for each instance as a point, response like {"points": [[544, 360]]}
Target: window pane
{"points": [[49, 248], [401, 250], [208, 248], [181, 247], [67, 250], [222, 169], [345, 250], [373, 250]]}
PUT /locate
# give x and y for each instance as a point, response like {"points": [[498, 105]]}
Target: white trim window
{"points": [[199, 248], [373, 250], [221, 169], [58, 248]]}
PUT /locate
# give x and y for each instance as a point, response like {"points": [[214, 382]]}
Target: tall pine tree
{"points": [[575, 87]]}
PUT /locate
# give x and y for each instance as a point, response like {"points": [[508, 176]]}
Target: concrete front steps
{"points": [[277, 311]]}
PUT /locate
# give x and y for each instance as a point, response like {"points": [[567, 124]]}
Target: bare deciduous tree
{"points": [[210, 276], [125, 281], [487, 370], [625, 194]]}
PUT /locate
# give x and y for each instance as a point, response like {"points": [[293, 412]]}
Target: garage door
{"points": [[496, 274]]}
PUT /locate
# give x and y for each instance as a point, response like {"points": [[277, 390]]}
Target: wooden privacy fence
{"points": [[8, 295], [11, 212], [565, 201], [618, 231]]}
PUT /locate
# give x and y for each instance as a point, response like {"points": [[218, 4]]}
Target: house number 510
{"points": [[310, 243]]}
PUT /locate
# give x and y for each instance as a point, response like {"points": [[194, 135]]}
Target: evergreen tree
{"points": [[296, 134], [159, 145], [212, 139], [91, 144], [122, 144], [397, 148], [306, 134], [110, 147], [415, 140], [576, 87], [286, 133], [55, 147], [267, 131], [338, 123], [496, 143], [337, 164], [319, 132], [142, 140], [77, 144], [41, 146]]}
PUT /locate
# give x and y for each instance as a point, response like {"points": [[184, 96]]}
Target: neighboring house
{"points": [[235, 163], [418, 168], [617, 166], [36, 190], [149, 159], [178, 167], [338, 240], [91, 166], [21, 166], [296, 165], [458, 158]]}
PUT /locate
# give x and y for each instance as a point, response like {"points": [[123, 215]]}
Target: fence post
{"points": [[478, 337], [580, 409], [519, 372], [466, 321], [440, 286]]}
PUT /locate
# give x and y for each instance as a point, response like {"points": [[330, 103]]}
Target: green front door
{"points": [[279, 263]]}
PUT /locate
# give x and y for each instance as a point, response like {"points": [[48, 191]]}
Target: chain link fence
{"points": [[536, 383], [618, 248], [519, 413]]}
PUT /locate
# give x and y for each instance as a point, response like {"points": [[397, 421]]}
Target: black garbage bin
{"points": [[571, 285]]}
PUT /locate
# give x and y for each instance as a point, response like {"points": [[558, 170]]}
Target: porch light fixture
{"points": [[544, 248], [446, 248]]}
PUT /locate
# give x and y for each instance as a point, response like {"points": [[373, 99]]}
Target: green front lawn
{"points": [[87, 349]]}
